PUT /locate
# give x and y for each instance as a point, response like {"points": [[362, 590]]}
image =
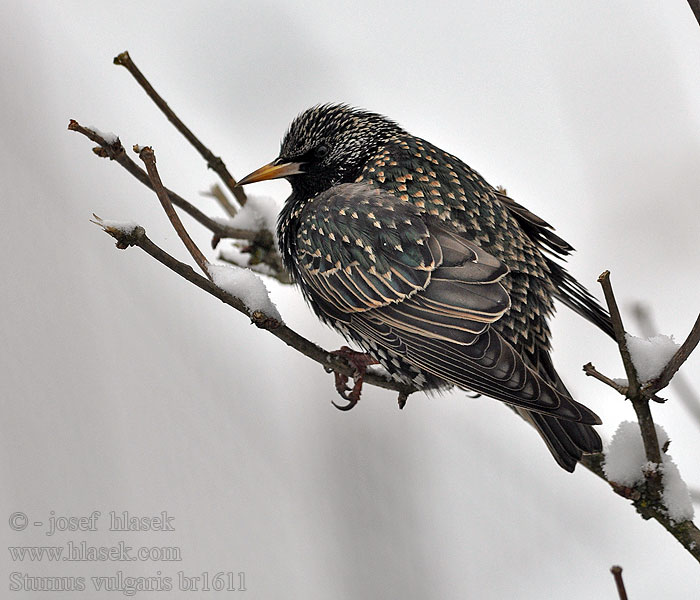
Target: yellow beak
{"points": [[272, 171]]}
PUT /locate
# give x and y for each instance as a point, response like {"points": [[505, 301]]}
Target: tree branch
{"points": [[148, 157], [686, 532], [640, 402], [646, 498], [617, 574], [591, 371], [262, 243], [116, 152], [137, 237], [619, 330], [218, 194], [214, 162]]}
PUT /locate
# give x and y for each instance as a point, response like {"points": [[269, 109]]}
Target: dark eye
{"points": [[321, 151]]}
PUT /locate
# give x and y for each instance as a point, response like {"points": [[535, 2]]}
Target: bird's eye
{"points": [[321, 151]]}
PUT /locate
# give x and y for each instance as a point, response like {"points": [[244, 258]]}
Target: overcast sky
{"points": [[125, 388]]}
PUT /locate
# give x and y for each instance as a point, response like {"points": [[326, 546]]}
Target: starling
{"points": [[440, 277]]}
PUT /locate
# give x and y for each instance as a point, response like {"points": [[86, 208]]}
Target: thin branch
{"points": [[148, 157], [218, 194], [214, 162], [116, 152], [639, 401], [591, 371], [617, 574], [678, 359], [262, 243], [137, 237], [619, 330]]}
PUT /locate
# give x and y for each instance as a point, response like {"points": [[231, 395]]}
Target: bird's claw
{"points": [[359, 361]]}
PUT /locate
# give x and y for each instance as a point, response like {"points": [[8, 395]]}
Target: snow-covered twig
{"points": [[675, 363], [685, 393], [136, 236], [639, 401], [648, 494], [261, 242]]}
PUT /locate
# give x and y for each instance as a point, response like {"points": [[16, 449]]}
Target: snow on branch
{"points": [[247, 286], [626, 465], [636, 464]]}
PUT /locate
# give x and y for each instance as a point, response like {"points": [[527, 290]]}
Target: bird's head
{"points": [[326, 145]]}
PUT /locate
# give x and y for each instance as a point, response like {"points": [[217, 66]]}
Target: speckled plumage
{"points": [[440, 277]]}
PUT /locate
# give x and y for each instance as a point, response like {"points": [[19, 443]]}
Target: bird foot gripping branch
{"points": [[359, 361]]}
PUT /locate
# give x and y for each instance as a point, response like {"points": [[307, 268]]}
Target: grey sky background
{"points": [[124, 388]]}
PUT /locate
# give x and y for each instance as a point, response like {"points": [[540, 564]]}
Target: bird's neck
{"points": [[287, 227]]}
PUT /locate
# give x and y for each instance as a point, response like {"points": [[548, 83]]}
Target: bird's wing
{"points": [[406, 283], [360, 249]]}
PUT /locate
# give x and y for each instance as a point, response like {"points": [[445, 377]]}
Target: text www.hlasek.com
{"points": [[82, 551]]}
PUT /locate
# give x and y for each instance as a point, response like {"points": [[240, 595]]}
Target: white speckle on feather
{"points": [[247, 286], [650, 355], [626, 462]]}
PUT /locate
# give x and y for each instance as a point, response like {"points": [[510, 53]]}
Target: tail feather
{"points": [[578, 298], [566, 440]]}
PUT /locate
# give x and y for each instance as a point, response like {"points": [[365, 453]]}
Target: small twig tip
{"points": [[121, 58]]}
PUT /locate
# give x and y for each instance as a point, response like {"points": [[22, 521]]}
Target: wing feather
{"points": [[405, 283]]}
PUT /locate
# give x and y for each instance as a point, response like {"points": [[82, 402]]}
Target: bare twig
{"points": [[639, 401], [591, 371], [218, 194], [215, 163], [148, 157], [646, 498], [619, 330], [617, 574]]}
